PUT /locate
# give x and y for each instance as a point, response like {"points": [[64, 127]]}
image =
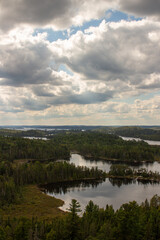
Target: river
{"points": [[112, 192]]}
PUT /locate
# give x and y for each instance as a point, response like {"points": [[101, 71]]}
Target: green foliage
{"points": [[108, 147], [138, 132], [119, 170], [20, 148], [89, 144], [2, 234], [13, 178], [73, 221], [9, 192], [130, 222]]}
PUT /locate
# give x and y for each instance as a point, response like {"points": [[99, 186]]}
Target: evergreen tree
{"points": [[73, 220]]}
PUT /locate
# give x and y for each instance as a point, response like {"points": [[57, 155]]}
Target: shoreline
{"points": [[90, 157], [42, 186], [137, 178]]}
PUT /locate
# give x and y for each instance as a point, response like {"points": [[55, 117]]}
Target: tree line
{"points": [[119, 170], [20, 148], [108, 147], [13, 178], [139, 132], [89, 144], [130, 222]]}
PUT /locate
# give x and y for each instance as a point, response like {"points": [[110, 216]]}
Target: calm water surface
{"points": [[112, 192], [150, 142], [78, 160]]}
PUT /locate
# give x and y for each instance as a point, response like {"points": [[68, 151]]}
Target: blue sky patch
{"points": [[63, 67], [110, 16]]}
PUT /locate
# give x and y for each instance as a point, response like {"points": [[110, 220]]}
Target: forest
{"points": [[13, 178], [26, 163], [138, 132], [89, 144], [145, 133], [130, 222], [126, 172], [108, 147], [22, 148]]}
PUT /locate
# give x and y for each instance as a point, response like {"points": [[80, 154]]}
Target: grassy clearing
{"points": [[34, 203]]}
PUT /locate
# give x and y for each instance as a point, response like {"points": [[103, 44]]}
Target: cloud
{"points": [[153, 82], [109, 63], [124, 51], [26, 59], [110, 112], [24, 63], [87, 97], [59, 14], [142, 8], [62, 14]]}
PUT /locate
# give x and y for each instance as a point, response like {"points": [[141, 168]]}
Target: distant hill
{"points": [[143, 132]]}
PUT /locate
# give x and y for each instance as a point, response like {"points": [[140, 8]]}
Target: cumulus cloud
{"points": [[142, 8], [110, 112], [111, 60], [25, 62], [61, 14], [108, 62], [124, 51]]}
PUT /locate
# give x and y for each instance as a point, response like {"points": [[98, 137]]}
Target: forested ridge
{"points": [[145, 133], [138, 132]]}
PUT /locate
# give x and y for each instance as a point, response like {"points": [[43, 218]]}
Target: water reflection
{"points": [[69, 186], [119, 182], [112, 191], [78, 160]]}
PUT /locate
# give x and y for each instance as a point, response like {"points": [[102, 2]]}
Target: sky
{"points": [[79, 62]]}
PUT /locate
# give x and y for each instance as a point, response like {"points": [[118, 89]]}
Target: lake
{"points": [[111, 191], [78, 160], [150, 142]]}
